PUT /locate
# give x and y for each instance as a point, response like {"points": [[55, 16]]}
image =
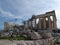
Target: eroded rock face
{"points": [[35, 35], [39, 35]]}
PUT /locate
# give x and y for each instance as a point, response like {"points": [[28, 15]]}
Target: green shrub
{"points": [[16, 38]]}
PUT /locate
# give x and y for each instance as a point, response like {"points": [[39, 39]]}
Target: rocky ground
{"points": [[22, 42], [41, 38]]}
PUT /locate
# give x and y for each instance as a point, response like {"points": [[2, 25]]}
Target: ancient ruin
{"points": [[43, 21], [39, 28]]}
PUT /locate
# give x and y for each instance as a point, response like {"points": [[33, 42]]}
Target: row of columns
{"points": [[51, 24]]}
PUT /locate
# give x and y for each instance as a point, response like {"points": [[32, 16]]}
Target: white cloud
{"points": [[8, 14]]}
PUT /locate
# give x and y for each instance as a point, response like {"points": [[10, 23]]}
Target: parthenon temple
{"points": [[43, 21]]}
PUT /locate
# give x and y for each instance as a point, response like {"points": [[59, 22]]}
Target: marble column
{"points": [[28, 23], [39, 23], [54, 23], [35, 23], [44, 23], [49, 20], [31, 24], [25, 24]]}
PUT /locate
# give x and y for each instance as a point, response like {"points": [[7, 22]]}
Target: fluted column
{"points": [[44, 23], [54, 23], [31, 24], [49, 20], [39, 23], [28, 23], [35, 23]]}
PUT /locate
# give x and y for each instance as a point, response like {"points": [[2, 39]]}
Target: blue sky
{"points": [[24, 9]]}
